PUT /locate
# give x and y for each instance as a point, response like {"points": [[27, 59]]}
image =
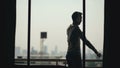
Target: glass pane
{"points": [[94, 28], [53, 17], [21, 29]]}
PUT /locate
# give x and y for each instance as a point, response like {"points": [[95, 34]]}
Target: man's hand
{"points": [[99, 54]]}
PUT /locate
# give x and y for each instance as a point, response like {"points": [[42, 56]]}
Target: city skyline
{"points": [[23, 53]]}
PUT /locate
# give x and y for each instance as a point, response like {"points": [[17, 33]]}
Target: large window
{"points": [[53, 17], [21, 28], [94, 29]]}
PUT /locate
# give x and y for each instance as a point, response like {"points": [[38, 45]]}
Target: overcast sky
{"points": [[54, 16]]}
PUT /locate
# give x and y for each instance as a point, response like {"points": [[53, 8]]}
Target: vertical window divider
{"points": [[84, 49], [29, 24]]}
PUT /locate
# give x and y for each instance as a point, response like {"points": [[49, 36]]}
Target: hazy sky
{"points": [[54, 16]]}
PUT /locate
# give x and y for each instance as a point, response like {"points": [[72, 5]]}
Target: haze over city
{"points": [[53, 17]]}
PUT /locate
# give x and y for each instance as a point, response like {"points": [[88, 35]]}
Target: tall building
{"points": [[43, 36]]}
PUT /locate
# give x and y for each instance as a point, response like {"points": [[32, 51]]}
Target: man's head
{"points": [[77, 18]]}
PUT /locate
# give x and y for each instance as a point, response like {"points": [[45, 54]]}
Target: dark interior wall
{"points": [[107, 34], [111, 34], [8, 32]]}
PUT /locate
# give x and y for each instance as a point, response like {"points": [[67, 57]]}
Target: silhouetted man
{"points": [[74, 34]]}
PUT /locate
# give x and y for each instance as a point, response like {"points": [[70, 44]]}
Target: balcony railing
{"points": [[90, 63]]}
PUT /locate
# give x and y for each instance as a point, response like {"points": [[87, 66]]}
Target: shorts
{"points": [[74, 60]]}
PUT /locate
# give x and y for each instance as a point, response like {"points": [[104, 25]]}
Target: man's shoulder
{"points": [[69, 27], [76, 28], [73, 28]]}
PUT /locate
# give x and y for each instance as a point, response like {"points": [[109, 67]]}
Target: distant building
{"points": [[55, 51], [33, 51], [24, 53], [45, 50], [17, 51]]}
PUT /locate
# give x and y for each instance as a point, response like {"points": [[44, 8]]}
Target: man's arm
{"points": [[89, 44], [92, 47]]}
